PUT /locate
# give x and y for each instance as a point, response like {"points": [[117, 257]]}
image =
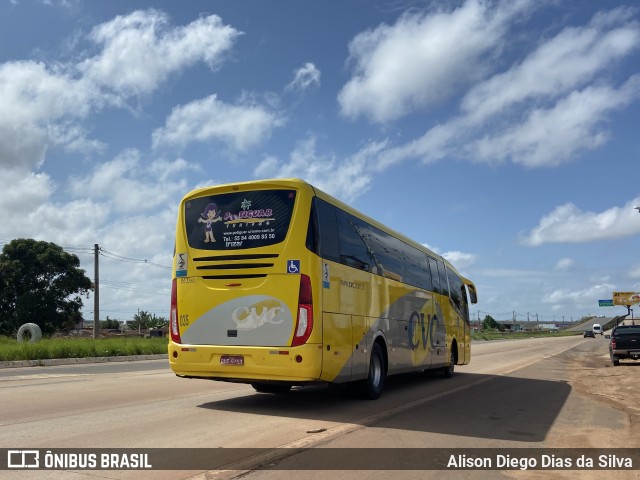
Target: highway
{"points": [[534, 393]]}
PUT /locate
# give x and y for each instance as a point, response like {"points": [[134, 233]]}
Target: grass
{"points": [[494, 335], [11, 349]]}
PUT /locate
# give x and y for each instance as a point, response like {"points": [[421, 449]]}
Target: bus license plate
{"points": [[232, 360]]}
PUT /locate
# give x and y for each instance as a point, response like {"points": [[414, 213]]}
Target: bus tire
{"points": [[448, 370], [29, 332], [371, 387], [271, 388]]}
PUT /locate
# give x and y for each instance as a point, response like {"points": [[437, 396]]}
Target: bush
{"points": [[11, 349]]}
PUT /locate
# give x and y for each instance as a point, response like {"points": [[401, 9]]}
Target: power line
{"points": [[124, 258], [136, 287]]}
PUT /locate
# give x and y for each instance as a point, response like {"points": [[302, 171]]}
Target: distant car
{"points": [[588, 333], [597, 328]]}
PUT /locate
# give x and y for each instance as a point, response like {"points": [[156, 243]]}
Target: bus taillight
{"points": [[304, 325], [173, 318]]}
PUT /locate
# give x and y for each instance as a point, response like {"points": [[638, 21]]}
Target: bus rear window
{"points": [[233, 221]]}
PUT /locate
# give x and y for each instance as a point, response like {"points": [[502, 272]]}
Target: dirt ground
{"points": [[618, 387], [607, 398]]}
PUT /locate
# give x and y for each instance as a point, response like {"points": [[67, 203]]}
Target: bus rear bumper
{"points": [[294, 365]]}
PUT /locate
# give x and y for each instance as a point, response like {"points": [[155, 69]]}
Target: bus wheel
{"points": [[447, 371], [271, 387], [371, 387]]}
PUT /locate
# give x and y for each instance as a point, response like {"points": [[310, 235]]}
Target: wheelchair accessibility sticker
{"points": [[293, 266]]}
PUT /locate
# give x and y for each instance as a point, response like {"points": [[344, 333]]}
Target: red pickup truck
{"points": [[625, 343]]}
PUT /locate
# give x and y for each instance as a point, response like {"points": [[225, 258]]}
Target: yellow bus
{"points": [[277, 284]]}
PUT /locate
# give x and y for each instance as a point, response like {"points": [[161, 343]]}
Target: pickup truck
{"points": [[625, 343]]}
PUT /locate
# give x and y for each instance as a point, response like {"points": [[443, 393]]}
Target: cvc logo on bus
{"points": [[419, 319], [249, 318]]}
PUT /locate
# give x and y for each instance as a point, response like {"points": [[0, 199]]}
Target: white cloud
{"points": [[22, 193], [140, 50], [28, 209], [37, 104], [346, 179], [423, 58], [568, 224], [148, 236], [550, 137], [42, 105], [208, 119], [564, 264], [543, 110], [73, 138], [434, 145], [460, 260], [305, 77], [635, 272], [577, 297], [570, 59], [69, 223], [112, 190], [128, 185]]}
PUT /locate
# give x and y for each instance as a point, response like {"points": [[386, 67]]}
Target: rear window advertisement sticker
{"points": [[239, 220], [210, 215]]}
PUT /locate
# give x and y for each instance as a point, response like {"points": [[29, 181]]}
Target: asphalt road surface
{"points": [[529, 394]]}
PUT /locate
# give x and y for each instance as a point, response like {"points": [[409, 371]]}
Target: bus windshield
{"points": [[234, 221]]}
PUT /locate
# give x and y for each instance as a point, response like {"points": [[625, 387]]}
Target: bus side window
{"points": [[329, 243], [313, 239], [456, 287], [435, 278], [417, 268], [458, 294], [387, 252], [444, 285], [464, 303], [354, 249]]}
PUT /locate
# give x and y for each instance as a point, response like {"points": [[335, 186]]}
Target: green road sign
{"points": [[605, 303]]}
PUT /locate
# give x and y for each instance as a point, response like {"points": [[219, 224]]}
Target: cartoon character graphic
{"points": [[211, 214]]}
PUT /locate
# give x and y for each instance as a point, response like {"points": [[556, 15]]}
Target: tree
{"points": [[110, 324], [40, 283], [489, 323], [145, 320]]}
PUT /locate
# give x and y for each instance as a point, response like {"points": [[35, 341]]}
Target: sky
{"points": [[504, 135]]}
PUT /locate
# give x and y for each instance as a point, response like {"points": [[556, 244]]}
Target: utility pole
{"points": [[96, 293]]}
